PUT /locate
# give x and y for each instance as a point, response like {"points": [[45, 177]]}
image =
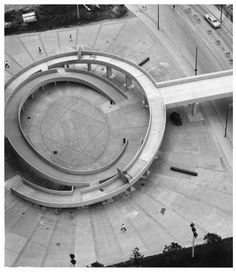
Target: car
{"points": [[212, 20]]}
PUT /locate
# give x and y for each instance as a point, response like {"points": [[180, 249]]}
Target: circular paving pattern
{"points": [[74, 131], [80, 147]]}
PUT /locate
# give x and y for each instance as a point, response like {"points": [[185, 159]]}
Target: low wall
{"points": [[49, 191], [73, 203], [194, 78], [133, 77], [98, 186], [98, 77], [67, 170]]}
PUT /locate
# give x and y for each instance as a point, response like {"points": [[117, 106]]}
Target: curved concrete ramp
{"points": [[22, 86]]}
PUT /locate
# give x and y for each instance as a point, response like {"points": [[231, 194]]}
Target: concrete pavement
{"points": [[36, 236]]}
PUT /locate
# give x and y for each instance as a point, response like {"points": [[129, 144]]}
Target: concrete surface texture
{"points": [[160, 208], [146, 152], [68, 118]]}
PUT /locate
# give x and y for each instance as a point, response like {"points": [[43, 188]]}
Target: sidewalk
{"points": [[175, 53]]}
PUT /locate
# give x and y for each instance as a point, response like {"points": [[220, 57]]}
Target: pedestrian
{"points": [[72, 256], [71, 215], [71, 37], [80, 53], [73, 261], [40, 51], [123, 228], [173, 7], [6, 64]]}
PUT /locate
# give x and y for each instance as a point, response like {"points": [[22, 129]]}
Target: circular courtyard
{"points": [[156, 208], [72, 132], [77, 128]]}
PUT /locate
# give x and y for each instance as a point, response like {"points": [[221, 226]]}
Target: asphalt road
{"points": [[186, 32], [185, 28]]}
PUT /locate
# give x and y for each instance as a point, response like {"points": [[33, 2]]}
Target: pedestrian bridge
{"points": [[153, 98], [197, 88]]}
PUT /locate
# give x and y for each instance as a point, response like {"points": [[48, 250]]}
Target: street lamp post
{"points": [[196, 62], [77, 8], [195, 70], [158, 19], [195, 235], [227, 114], [193, 248], [221, 11]]}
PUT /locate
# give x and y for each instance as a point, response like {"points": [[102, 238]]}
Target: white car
{"points": [[212, 20]]}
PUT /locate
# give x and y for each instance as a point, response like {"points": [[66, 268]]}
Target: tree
{"points": [[211, 238], [97, 264], [136, 257], [172, 251]]}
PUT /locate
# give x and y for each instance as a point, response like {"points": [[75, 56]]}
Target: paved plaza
{"points": [[68, 119], [160, 207]]}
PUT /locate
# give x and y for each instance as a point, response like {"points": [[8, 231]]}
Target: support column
{"points": [[195, 108], [109, 72], [109, 200], [128, 82], [145, 103], [89, 66], [127, 193], [80, 53], [146, 175]]}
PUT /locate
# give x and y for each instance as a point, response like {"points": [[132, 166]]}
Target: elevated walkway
{"points": [[26, 150], [156, 96], [77, 199], [197, 89], [141, 160]]}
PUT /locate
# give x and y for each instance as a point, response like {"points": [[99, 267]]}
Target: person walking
{"points": [[71, 37], [40, 51], [71, 215], [6, 64], [123, 228]]}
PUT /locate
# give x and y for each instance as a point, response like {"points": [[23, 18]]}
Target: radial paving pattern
{"points": [[160, 207]]}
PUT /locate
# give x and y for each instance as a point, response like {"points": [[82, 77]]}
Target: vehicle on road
{"points": [[212, 20]]}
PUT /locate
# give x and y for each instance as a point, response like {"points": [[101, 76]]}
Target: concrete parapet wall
{"points": [[72, 203], [48, 72], [66, 79], [140, 77], [98, 77], [98, 186], [194, 78], [49, 191], [67, 170]]}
